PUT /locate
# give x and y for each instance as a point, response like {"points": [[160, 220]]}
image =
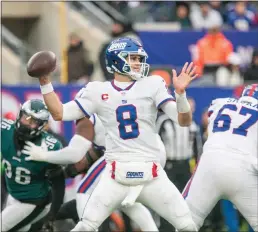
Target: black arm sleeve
{"points": [[57, 179], [71, 171]]}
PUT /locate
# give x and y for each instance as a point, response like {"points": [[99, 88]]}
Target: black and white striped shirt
{"points": [[181, 143]]}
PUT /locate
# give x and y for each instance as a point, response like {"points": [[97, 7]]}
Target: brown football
{"points": [[41, 64]]}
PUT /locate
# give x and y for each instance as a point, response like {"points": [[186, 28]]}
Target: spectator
{"points": [[118, 30], [213, 49], [241, 18], [230, 74], [219, 6], [162, 11], [251, 6], [182, 15], [201, 17], [80, 67], [251, 74]]}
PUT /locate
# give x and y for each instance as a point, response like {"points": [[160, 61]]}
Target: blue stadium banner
{"points": [[13, 96], [176, 48]]}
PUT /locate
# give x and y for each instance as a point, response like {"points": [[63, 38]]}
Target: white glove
{"points": [[34, 152]]}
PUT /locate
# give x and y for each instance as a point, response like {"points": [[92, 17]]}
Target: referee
{"points": [[182, 145]]}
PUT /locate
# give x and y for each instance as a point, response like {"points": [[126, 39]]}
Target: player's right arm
{"points": [[70, 111]]}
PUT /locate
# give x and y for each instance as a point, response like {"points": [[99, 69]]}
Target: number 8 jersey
{"points": [[233, 126], [128, 115]]}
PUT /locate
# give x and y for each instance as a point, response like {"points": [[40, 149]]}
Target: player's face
{"points": [[135, 62], [29, 121]]}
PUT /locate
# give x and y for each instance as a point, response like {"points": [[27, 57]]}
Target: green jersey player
{"points": [[32, 186]]}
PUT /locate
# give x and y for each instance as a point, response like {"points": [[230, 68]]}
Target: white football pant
{"points": [[19, 216], [222, 175], [159, 194]]}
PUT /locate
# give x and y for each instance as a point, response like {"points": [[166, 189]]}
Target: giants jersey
{"points": [[99, 139], [99, 131], [233, 126], [128, 115]]}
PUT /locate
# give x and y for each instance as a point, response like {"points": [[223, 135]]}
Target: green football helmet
{"points": [[33, 116]]}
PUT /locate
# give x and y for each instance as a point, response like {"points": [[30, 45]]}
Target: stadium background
{"points": [[169, 38]]}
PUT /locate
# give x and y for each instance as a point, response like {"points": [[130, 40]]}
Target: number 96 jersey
{"points": [[25, 180], [233, 126], [128, 115]]}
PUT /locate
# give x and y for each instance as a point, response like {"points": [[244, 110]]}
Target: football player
{"points": [[127, 107], [29, 184], [137, 212], [228, 167]]}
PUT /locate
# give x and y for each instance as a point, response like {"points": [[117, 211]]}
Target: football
{"points": [[42, 63]]}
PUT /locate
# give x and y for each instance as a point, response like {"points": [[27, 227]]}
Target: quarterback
{"points": [[127, 107]]}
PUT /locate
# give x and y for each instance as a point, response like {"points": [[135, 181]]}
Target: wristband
{"points": [[182, 103], [45, 89]]}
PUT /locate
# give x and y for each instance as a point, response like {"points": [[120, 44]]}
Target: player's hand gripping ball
{"points": [[41, 64]]}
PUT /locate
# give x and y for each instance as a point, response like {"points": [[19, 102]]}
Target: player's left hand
{"points": [[185, 77], [34, 152]]}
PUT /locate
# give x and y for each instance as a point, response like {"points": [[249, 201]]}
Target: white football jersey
{"points": [[233, 126], [99, 139], [128, 115], [99, 131]]}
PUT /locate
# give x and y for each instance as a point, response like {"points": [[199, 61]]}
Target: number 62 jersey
{"points": [[128, 115], [233, 126]]}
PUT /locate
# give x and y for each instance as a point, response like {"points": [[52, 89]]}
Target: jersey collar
{"points": [[119, 89]]}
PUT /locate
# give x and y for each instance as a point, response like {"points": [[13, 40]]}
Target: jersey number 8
{"points": [[128, 128]]}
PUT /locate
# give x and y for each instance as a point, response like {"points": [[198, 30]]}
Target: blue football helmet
{"points": [[250, 91], [120, 49]]}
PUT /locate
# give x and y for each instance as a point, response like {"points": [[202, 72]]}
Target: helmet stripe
{"points": [[252, 90]]}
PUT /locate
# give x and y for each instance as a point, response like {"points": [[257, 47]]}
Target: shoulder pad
{"points": [[90, 87]]}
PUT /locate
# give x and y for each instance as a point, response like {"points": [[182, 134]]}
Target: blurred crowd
{"points": [[218, 62], [240, 15]]}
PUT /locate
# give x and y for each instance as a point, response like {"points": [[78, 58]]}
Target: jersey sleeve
{"points": [[93, 119], [85, 99], [53, 144], [99, 138], [162, 94], [215, 104], [6, 134]]}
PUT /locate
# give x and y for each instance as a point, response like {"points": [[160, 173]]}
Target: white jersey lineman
{"points": [[137, 212], [228, 167], [133, 172]]}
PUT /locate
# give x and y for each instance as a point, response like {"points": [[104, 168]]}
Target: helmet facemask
{"points": [[130, 65], [31, 122]]}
